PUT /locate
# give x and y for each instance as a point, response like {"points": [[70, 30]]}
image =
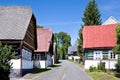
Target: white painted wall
{"points": [[94, 63], [16, 63], [42, 64], [39, 64], [76, 58], [16, 66], [70, 57]]}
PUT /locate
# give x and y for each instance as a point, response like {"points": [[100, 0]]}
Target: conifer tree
{"points": [[92, 16]]}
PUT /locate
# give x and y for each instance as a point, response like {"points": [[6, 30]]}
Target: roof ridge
{"points": [[101, 25]]}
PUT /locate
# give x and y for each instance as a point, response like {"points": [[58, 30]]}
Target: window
{"points": [[98, 55], [36, 56], [105, 55], [89, 55], [112, 56], [43, 56]]}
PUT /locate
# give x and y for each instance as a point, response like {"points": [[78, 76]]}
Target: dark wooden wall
{"points": [[30, 37]]}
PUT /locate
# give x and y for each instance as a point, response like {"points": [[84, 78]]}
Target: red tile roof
{"points": [[44, 36], [101, 36]]}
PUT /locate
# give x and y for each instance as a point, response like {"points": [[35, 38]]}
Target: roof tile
{"points": [[101, 36], [44, 36]]}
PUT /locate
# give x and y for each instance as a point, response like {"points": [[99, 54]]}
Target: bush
{"points": [[101, 67], [6, 55], [92, 69], [117, 66]]}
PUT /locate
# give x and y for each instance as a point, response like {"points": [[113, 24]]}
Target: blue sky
{"points": [[65, 15]]}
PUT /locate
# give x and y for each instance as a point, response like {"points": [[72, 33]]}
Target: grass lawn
{"points": [[102, 76]]}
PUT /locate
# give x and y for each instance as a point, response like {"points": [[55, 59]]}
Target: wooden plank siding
{"points": [[15, 47], [30, 36]]}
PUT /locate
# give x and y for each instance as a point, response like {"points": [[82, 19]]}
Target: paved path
{"points": [[65, 71]]}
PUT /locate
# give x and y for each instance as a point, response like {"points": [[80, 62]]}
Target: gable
{"points": [[30, 38], [44, 38]]}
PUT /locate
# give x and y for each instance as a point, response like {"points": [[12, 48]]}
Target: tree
{"points": [[79, 46], [116, 49], [92, 16], [6, 55], [38, 26], [63, 41]]}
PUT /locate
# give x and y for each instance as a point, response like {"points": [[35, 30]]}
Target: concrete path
{"points": [[65, 71]]}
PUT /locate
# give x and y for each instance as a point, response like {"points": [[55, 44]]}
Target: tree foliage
{"points": [[63, 41], [92, 16], [38, 26], [116, 49], [117, 66], [6, 55]]}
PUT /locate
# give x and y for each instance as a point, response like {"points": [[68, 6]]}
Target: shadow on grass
{"points": [[117, 75], [37, 70], [55, 66], [58, 62]]}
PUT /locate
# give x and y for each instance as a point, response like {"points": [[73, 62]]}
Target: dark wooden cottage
{"points": [[18, 28]]}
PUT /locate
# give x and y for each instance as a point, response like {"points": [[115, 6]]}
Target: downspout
{"points": [[21, 57]]}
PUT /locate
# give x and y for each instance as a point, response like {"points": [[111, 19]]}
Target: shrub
{"points": [[6, 55], [117, 66], [101, 67], [92, 69]]}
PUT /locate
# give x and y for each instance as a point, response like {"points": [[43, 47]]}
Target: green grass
{"points": [[102, 75]]}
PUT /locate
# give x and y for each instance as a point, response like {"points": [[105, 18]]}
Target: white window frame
{"points": [[113, 55], [97, 55]]}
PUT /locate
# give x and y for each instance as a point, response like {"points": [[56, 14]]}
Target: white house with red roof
{"points": [[44, 52], [98, 42]]}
